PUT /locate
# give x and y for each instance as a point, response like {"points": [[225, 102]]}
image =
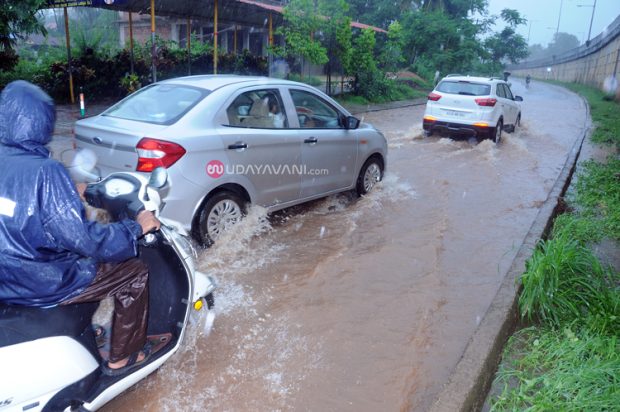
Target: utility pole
{"points": [[591, 18], [529, 31], [557, 29]]}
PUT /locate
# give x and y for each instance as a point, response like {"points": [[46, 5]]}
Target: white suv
{"points": [[472, 106]]}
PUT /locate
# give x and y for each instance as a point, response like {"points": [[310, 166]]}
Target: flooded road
{"points": [[367, 304]]}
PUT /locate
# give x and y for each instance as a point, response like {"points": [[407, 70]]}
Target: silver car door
{"points": [[261, 146], [329, 151]]}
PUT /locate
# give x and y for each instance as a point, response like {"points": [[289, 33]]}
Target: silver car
{"points": [[228, 141]]}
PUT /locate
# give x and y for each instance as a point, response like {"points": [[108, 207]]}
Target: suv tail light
{"points": [[157, 153], [434, 97], [486, 102]]}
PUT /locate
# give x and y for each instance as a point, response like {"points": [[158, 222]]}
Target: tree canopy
{"points": [[17, 20]]}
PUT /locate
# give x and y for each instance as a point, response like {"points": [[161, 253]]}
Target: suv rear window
{"points": [[464, 87], [160, 104]]}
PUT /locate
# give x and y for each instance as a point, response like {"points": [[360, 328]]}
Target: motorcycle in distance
{"points": [[49, 357]]}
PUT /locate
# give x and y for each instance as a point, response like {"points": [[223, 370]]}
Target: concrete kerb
{"points": [[470, 382]]}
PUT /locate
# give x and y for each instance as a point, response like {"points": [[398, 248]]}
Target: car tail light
{"points": [[434, 97], [157, 153], [486, 102], [430, 118], [481, 124]]}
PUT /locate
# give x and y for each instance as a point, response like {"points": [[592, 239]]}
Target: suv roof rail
{"points": [[454, 75], [496, 78]]}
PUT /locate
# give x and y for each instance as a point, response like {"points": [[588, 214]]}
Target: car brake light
{"points": [[154, 153], [434, 97], [486, 102]]}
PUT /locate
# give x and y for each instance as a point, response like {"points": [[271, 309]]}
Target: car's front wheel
{"points": [[219, 213], [497, 132], [370, 174]]}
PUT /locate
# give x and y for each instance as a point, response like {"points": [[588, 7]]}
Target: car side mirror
{"points": [[518, 99], [351, 122]]}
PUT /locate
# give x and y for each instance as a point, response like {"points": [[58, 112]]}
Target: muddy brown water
{"points": [[349, 304]]}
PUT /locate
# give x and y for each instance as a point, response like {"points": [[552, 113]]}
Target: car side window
{"points": [[258, 109], [500, 90], [313, 112], [508, 92]]}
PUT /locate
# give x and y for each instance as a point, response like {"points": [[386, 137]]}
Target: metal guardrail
{"points": [[597, 43]]}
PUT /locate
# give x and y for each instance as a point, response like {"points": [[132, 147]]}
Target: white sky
{"points": [[543, 16]]}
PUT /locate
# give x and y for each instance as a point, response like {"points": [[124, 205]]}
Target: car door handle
{"points": [[238, 146], [311, 140]]}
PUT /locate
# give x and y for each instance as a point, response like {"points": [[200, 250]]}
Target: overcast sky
{"points": [[543, 16]]}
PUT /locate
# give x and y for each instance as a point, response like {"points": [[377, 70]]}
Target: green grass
{"points": [[564, 282], [597, 195], [572, 369]]}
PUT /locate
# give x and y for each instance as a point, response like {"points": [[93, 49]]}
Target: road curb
{"points": [[472, 377]]}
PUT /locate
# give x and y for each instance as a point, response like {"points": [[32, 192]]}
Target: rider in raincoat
{"points": [[51, 254]]}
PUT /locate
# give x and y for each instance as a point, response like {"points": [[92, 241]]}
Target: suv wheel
{"points": [[497, 132]]}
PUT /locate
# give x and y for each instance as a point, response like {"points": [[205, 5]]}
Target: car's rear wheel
{"points": [[497, 133], [219, 213], [370, 174]]}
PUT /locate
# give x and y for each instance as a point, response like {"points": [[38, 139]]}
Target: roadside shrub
{"points": [[565, 282]]}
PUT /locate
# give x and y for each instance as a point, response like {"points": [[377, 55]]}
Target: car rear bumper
{"points": [[457, 129]]}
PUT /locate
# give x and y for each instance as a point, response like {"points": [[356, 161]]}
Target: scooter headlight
{"points": [[118, 187]]}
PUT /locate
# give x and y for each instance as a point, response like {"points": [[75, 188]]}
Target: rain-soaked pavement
{"points": [[366, 305]]}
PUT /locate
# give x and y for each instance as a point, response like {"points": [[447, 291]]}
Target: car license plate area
{"points": [[455, 113]]}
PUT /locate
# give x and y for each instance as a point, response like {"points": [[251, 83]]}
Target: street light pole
{"points": [[557, 29], [530, 31], [591, 17]]}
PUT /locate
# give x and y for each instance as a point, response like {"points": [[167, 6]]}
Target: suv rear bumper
{"points": [[457, 129]]}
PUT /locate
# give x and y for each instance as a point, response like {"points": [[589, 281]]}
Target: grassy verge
{"points": [[569, 359]]}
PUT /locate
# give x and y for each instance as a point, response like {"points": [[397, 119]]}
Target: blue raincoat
{"points": [[48, 250]]}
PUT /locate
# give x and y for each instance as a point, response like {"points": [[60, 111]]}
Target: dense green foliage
{"points": [[425, 37], [105, 76], [17, 20]]}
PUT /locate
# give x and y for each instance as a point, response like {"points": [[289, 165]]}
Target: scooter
{"points": [[49, 357]]}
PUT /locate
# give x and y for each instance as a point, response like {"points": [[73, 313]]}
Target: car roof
{"points": [[473, 79], [215, 81]]}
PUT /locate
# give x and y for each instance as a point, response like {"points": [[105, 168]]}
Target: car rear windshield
{"points": [[464, 87], [160, 104]]}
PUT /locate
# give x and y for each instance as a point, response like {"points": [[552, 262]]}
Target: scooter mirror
{"points": [[158, 178], [82, 166]]}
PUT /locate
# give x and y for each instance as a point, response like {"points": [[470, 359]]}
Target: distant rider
{"points": [[528, 78]]}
